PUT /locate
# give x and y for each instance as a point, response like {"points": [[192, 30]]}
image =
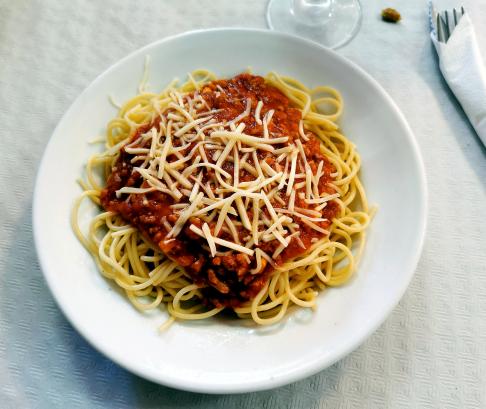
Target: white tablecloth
{"points": [[431, 351]]}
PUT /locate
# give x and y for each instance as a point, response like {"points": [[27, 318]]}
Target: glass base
{"points": [[337, 30]]}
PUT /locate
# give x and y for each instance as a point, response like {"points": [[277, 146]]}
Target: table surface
{"points": [[430, 352]]}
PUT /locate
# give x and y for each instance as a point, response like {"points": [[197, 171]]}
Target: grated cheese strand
{"points": [[258, 110], [224, 243], [233, 181], [184, 216]]}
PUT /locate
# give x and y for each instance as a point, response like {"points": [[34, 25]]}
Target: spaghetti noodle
{"points": [[236, 194]]}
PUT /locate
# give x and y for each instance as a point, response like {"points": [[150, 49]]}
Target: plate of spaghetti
{"points": [[216, 215]]}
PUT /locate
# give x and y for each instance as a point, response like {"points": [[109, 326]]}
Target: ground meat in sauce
{"points": [[227, 279]]}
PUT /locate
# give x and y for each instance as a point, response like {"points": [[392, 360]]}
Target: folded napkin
{"points": [[463, 69]]}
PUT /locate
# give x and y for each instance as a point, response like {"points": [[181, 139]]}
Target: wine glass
{"points": [[332, 23]]}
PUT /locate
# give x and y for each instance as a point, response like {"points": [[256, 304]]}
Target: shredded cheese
{"points": [[210, 239], [224, 243], [184, 217], [229, 179], [292, 173], [258, 109]]}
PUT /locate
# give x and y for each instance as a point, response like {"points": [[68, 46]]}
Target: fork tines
{"points": [[447, 24]]}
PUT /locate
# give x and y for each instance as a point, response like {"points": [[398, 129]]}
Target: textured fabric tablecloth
{"points": [[430, 352]]}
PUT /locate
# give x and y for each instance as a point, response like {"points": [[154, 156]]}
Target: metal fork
{"points": [[446, 24]]}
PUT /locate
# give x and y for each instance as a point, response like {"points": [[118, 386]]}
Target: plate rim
{"points": [[299, 372]]}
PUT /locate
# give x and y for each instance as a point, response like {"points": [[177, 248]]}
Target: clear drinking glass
{"points": [[333, 23]]}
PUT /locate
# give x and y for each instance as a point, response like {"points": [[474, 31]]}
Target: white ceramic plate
{"points": [[229, 356]]}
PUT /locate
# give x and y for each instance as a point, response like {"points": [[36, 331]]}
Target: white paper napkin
{"points": [[463, 69]]}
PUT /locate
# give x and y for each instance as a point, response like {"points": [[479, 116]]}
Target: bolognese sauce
{"points": [[230, 277]]}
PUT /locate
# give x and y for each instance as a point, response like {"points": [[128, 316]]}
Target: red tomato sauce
{"points": [[226, 279]]}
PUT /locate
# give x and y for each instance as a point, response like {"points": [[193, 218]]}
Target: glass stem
{"points": [[312, 12]]}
